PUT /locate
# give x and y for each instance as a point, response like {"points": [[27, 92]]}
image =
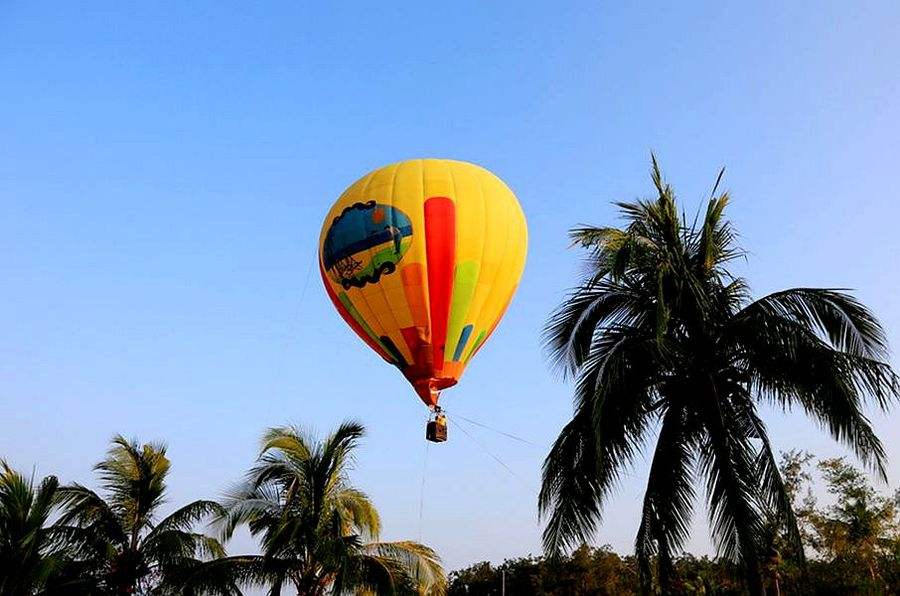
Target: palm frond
{"points": [[609, 427], [790, 364], [571, 490], [246, 503], [83, 507], [29, 553], [289, 440], [413, 563], [225, 576], [337, 449], [726, 457], [572, 328], [357, 511], [188, 516], [849, 326], [668, 501], [774, 493]]}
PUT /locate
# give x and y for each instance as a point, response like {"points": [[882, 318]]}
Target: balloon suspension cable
{"points": [[497, 430], [497, 459], [315, 257], [294, 321], [422, 488]]}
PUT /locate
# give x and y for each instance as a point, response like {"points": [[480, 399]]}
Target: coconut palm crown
{"points": [[318, 533], [33, 553], [663, 340], [126, 548]]}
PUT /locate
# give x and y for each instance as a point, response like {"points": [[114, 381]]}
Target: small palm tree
{"points": [[125, 550], [660, 335], [318, 533], [34, 555]]}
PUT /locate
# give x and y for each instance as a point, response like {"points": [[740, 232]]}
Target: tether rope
{"points": [[315, 257], [496, 430], [478, 443], [422, 488]]}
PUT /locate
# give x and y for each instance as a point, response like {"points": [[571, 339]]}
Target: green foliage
{"points": [[318, 533], [852, 540], [34, 558], [121, 545], [591, 572], [659, 334], [855, 538], [853, 544], [586, 571]]}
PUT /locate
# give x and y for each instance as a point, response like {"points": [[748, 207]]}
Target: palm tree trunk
{"points": [[309, 586]]}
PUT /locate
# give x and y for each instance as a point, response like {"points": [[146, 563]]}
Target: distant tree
{"points": [[125, 549], [702, 575], [661, 335], [476, 580], [586, 572], [319, 534], [858, 536]]}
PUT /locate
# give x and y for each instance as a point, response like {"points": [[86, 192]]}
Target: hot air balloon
{"points": [[421, 259]]}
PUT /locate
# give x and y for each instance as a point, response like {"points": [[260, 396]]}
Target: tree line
{"points": [[318, 535], [852, 546]]}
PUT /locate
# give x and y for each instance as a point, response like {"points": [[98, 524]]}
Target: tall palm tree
{"points": [[34, 555], [318, 533], [660, 336], [126, 549]]}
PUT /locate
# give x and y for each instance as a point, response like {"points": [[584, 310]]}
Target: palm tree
{"points": [[33, 553], [318, 533], [125, 549], [660, 335]]}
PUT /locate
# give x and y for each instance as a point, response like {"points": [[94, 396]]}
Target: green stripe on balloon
{"points": [[464, 281]]}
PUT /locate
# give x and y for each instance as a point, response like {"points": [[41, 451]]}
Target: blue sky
{"points": [[165, 168]]}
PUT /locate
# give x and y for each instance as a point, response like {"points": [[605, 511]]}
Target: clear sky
{"points": [[165, 168]]}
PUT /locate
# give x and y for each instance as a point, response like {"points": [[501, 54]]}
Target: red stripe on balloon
{"points": [[421, 367], [440, 253]]}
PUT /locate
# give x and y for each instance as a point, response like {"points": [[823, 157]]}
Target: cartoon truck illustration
{"points": [[364, 242]]}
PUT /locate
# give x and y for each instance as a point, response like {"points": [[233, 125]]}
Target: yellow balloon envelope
{"points": [[421, 258]]}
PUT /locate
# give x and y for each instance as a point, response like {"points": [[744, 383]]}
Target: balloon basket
{"points": [[436, 430]]}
